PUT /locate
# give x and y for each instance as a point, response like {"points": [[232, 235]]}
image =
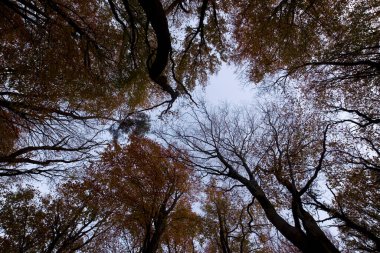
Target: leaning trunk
{"points": [[313, 241]]}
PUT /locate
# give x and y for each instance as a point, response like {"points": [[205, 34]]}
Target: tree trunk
{"points": [[313, 241], [153, 242]]}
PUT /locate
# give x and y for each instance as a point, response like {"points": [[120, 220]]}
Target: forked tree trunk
{"points": [[312, 241]]}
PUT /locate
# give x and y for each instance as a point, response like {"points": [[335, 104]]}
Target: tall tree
{"points": [[147, 186], [277, 159], [66, 62], [68, 67], [328, 49], [230, 224], [117, 43], [63, 60], [61, 223], [323, 37], [355, 210], [183, 233]]}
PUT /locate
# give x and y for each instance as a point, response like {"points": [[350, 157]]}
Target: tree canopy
{"points": [[77, 76]]}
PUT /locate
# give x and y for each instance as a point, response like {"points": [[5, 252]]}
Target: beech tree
{"points": [[137, 199], [118, 46], [183, 233], [31, 222], [277, 158], [290, 157], [355, 209], [46, 94], [329, 50], [71, 69], [148, 188], [66, 62], [314, 38], [231, 224]]}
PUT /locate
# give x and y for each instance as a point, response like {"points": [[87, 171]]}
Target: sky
{"points": [[227, 86]]}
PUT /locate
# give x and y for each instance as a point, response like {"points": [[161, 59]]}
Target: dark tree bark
{"points": [[157, 18], [231, 147]]}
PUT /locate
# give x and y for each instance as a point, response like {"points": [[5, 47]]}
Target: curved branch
{"points": [[156, 16]]}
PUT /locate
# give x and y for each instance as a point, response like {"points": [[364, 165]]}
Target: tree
{"points": [[71, 69], [116, 43], [277, 159], [149, 189], [66, 63], [70, 61], [34, 223], [323, 37], [47, 89], [355, 209], [230, 225], [183, 232], [145, 194], [330, 51]]}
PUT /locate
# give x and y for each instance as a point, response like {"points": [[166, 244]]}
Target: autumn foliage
{"points": [[82, 83], [148, 189]]}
